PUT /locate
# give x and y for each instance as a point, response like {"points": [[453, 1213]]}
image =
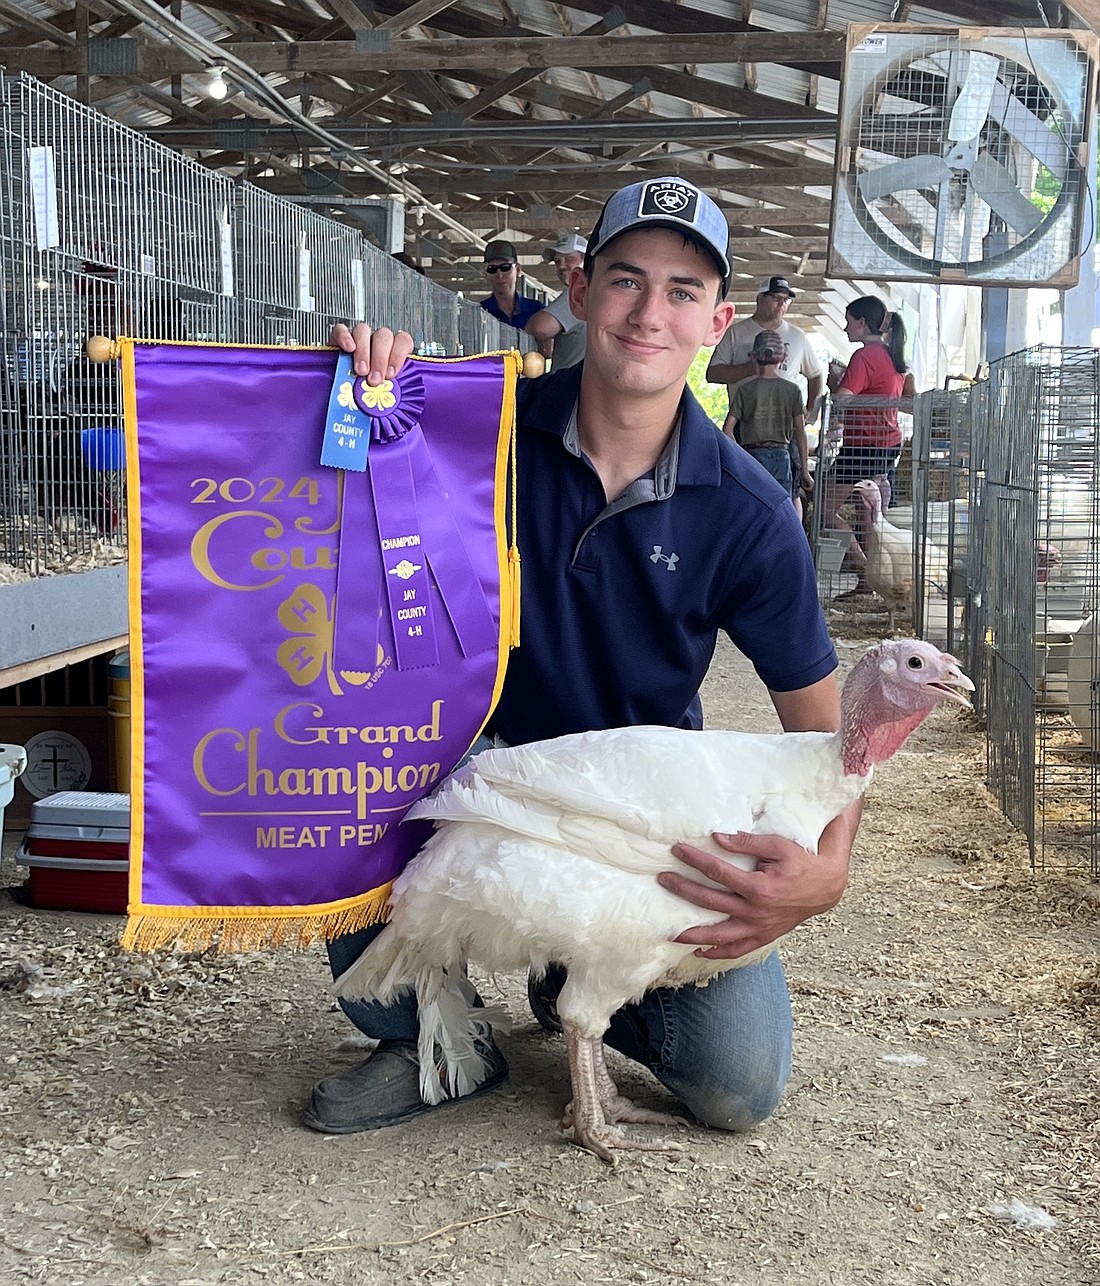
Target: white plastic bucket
{"points": [[13, 759]]}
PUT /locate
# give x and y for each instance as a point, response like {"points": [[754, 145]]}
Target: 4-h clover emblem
{"points": [[307, 616]]}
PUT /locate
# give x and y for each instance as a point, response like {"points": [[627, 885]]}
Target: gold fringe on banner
{"points": [[227, 929]]}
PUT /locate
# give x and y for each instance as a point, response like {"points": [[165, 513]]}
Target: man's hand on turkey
{"points": [[790, 884]]}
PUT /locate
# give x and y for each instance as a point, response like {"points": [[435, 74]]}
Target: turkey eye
{"points": [[915, 663]]}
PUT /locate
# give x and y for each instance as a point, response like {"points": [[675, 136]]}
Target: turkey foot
{"points": [[597, 1106], [617, 1107]]}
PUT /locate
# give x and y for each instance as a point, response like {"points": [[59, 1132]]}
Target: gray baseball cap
{"points": [[568, 243], [769, 346], [665, 203]]}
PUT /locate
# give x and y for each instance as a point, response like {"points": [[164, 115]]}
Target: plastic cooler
{"points": [[77, 849], [13, 759]]}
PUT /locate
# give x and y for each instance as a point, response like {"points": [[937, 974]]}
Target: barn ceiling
{"points": [[496, 117]]}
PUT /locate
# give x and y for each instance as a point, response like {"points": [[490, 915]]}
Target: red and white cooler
{"points": [[77, 849]]}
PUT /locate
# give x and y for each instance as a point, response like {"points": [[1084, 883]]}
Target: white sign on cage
{"points": [[305, 259], [225, 251], [44, 196], [358, 291]]}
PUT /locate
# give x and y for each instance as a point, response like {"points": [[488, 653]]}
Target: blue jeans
{"points": [[777, 461], [724, 1050]]}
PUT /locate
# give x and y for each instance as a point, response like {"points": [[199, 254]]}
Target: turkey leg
{"points": [[597, 1105]]}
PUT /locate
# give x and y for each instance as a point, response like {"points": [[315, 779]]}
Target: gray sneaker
{"points": [[384, 1090]]}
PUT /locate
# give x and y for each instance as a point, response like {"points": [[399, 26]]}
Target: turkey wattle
{"points": [[549, 852]]}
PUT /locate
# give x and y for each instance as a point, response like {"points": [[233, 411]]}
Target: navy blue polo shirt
{"points": [[526, 308], [622, 603]]}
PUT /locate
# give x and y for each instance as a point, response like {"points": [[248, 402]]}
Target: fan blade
{"points": [[996, 187], [1029, 131], [971, 109], [913, 172]]}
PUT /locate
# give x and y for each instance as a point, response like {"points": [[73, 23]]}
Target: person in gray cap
{"points": [[732, 362], [644, 533], [559, 332], [506, 304]]}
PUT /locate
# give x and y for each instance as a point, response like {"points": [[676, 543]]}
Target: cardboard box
{"points": [[77, 849]]}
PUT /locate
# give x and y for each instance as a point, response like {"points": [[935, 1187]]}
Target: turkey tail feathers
{"points": [[453, 1045], [380, 972]]}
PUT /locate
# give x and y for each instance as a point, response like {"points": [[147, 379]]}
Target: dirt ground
{"points": [[946, 1068]]}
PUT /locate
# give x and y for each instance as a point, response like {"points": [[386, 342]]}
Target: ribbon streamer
{"points": [[402, 525]]}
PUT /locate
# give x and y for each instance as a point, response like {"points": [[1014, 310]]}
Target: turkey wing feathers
{"points": [[628, 794], [509, 902]]}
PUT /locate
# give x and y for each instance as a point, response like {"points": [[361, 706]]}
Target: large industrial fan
{"points": [[963, 155]]}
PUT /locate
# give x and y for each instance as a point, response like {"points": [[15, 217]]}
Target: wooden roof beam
{"points": [[503, 179], [38, 27], [337, 57]]}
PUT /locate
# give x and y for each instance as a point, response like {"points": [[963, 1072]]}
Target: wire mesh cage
{"points": [[1035, 536], [1005, 531], [942, 484], [841, 525], [104, 232]]}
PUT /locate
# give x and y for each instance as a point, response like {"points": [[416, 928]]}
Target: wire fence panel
{"points": [[1005, 522], [835, 514], [941, 476], [104, 232], [1024, 448]]}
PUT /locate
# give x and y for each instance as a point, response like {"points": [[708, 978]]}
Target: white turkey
{"points": [[550, 851], [889, 550]]}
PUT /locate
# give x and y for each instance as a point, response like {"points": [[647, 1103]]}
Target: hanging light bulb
{"points": [[216, 86]]}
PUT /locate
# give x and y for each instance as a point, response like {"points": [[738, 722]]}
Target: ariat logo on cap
{"points": [[664, 200]]}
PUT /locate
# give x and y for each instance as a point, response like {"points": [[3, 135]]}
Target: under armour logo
{"points": [[670, 560]]}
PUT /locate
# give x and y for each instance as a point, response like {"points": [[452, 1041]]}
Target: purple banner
{"points": [[311, 650]]}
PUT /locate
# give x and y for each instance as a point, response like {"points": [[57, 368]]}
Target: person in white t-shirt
{"points": [[561, 336], [732, 360]]}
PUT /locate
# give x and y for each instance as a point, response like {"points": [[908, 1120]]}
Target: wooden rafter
{"points": [[554, 85]]}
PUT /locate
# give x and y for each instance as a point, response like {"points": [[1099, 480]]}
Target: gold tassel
{"points": [[231, 933], [513, 549], [513, 594]]}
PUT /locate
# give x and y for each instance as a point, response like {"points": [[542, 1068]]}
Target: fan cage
{"points": [[947, 231]]}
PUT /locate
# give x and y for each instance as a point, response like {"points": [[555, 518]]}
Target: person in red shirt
{"points": [[866, 394]]}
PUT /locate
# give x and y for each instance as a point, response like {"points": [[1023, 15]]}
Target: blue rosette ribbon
{"points": [[399, 540]]}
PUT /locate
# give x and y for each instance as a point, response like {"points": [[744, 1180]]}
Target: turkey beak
{"points": [[954, 684]]}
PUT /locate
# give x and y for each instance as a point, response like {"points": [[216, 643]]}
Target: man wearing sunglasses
{"points": [[506, 304]]}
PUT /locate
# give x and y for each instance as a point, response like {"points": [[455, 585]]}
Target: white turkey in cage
{"points": [[962, 155]]}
